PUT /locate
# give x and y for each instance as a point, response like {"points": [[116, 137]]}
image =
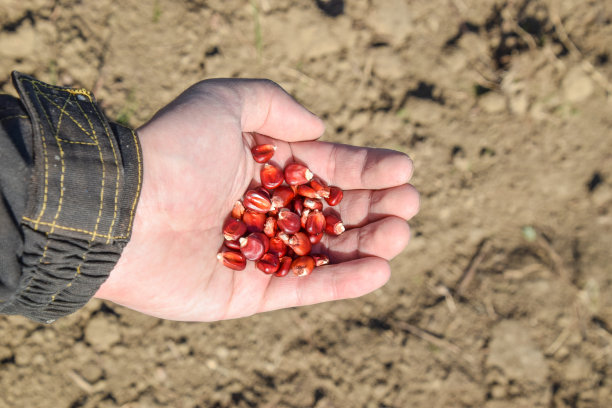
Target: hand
{"points": [[197, 163]]}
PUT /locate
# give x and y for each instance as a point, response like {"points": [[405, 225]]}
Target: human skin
{"points": [[197, 163]]}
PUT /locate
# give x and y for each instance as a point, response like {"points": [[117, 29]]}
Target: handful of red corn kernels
{"points": [[276, 225]]}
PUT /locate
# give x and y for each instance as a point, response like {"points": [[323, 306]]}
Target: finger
{"points": [[385, 238], [327, 283], [351, 167], [359, 207], [268, 109]]}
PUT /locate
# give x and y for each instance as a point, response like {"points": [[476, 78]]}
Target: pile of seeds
{"points": [[276, 224]]}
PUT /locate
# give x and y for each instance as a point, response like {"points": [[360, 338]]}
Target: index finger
{"points": [[352, 167]]}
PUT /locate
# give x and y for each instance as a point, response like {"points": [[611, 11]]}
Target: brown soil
{"points": [[504, 296]]}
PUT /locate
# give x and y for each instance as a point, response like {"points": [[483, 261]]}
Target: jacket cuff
{"points": [[82, 198]]}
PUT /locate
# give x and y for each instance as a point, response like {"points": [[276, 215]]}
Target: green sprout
{"points": [[124, 117], [529, 233], [157, 11]]}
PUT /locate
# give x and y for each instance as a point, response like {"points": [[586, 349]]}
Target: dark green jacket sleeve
{"points": [[69, 183]]}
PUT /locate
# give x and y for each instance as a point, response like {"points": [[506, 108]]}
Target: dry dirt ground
{"points": [[504, 296]]}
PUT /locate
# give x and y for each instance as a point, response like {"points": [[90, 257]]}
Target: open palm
{"points": [[197, 163]]}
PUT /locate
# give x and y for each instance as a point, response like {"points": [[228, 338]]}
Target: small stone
{"points": [[519, 104], [388, 65], [19, 44], [39, 360], [498, 391], [359, 121], [577, 369], [23, 356], [577, 85], [5, 353], [91, 372], [102, 333], [562, 353], [514, 353], [160, 375], [392, 20], [492, 102]]}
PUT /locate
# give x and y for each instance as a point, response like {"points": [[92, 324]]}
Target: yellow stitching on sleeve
{"points": [[110, 140], [63, 170], [59, 208], [96, 143], [93, 131], [139, 182], [74, 277], [14, 117], [72, 91], [46, 167], [53, 225], [52, 102], [40, 261], [83, 231], [95, 137], [80, 143], [81, 91]]}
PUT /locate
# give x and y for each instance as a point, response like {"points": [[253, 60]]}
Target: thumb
{"points": [[268, 109]]}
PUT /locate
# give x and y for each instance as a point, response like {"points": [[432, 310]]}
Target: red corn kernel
{"points": [[254, 220], [320, 259], [278, 247], [253, 247], [315, 239], [263, 191], [304, 217], [333, 225], [262, 153], [298, 205], [284, 237], [234, 229], [271, 176], [313, 203], [290, 253], [288, 221], [335, 196], [300, 243], [285, 266], [321, 187], [232, 259], [263, 238], [315, 223], [270, 227], [296, 174], [282, 196], [303, 265], [257, 200], [305, 190], [233, 244], [268, 263], [237, 210]]}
